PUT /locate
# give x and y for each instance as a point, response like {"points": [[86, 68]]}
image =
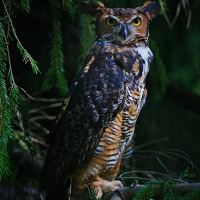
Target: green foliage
{"points": [[167, 188], [157, 75], [87, 31], [163, 5], [19, 106], [5, 115], [25, 143], [55, 74], [26, 57], [147, 192], [25, 5], [195, 195], [187, 174], [71, 7], [5, 127], [90, 195], [3, 57], [87, 36], [12, 103]]}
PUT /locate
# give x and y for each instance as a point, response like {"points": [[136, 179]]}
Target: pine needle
{"points": [[12, 102], [25, 5], [55, 74], [26, 57]]}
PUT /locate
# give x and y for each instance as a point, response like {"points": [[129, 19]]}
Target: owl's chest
{"points": [[134, 63], [119, 132], [116, 137]]}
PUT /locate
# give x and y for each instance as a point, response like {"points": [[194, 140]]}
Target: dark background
{"points": [[167, 135]]}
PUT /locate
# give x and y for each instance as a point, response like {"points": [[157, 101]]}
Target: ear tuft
{"points": [[150, 9], [93, 8]]}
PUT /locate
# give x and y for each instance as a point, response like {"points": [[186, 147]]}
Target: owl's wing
{"points": [[94, 100]]}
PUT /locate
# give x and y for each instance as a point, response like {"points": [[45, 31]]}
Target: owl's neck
{"points": [[139, 42]]}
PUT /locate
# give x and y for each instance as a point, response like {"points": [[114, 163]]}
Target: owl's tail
{"points": [[64, 192]]}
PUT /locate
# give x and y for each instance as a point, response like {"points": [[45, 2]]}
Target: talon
{"points": [[102, 186], [118, 184], [99, 193]]}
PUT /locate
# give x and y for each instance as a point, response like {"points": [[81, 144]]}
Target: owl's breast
{"points": [[115, 70], [133, 61], [117, 136], [146, 56]]}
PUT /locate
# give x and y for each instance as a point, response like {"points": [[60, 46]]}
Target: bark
{"points": [[128, 193]]}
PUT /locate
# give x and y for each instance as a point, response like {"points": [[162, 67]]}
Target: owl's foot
{"points": [[101, 186]]}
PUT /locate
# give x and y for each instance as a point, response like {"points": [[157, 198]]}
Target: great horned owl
{"points": [[94, 131]]}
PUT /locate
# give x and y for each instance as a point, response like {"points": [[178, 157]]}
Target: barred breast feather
{"points": [[116, 138]]}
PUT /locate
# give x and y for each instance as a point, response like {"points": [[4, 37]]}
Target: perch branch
{"points": [[128, 193]]}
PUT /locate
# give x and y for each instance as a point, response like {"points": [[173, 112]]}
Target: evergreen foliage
{"points": [[25, 5], [158, 85], [91, 195], [195, 195], [187, 174], [87, 30], [71, 7], [87, 36], [148, 192], [12, 103], [168, 188], [26, 57], [163, 5], [5, 115], [55, 74]]}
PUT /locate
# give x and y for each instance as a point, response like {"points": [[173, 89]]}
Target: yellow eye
{"points": [[137, 21], [110, 21]]}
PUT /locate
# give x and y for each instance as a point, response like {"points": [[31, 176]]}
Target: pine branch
{"points": [[128, 193], [26, 57], [55, 74], [195, 195], [147, 192], [25, 5], [157, 70], [71, 7], [12, 80], [170, 191], [87, 36], [11, 102], [5, 130], [5, 116]]}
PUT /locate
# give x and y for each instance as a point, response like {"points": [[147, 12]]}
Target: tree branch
{"points": [[128, 193]]}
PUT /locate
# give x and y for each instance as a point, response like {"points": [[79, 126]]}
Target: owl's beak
{"points": [[124, 32]]}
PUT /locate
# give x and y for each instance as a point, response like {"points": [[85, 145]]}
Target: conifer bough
{"points": [[128, 193]]}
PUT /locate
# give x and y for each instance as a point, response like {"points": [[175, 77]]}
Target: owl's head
{"points": [[120, 25]]}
